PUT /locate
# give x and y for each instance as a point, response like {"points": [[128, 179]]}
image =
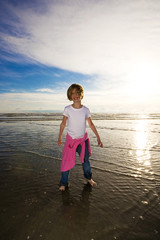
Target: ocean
{"points": [[124, 205]]}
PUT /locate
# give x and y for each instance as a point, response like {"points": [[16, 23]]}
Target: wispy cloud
{"points": [[102, 39], [93, 37], [45, 90], [106, 101], [31, 101]]}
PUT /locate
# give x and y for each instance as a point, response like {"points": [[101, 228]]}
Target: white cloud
{"points": [[9, 102], [97, 101], [57, 75], [45, 90], [102, 38], [115, 101], [93, 37]]}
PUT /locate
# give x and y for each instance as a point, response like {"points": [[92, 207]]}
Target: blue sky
{"points": [[109, 47]]}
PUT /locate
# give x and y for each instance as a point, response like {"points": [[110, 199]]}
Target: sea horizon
{"points": [[57, 115]]}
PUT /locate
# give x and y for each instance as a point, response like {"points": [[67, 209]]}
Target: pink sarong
{"points": [[69, 151]]}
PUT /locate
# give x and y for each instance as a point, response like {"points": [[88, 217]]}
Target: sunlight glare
{"points": [[143, 80], [141, 139]]}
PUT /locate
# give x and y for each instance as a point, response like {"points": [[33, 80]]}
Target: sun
{"points": [[143, 80]]}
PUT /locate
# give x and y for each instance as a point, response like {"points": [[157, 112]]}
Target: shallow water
{"points": [[125, 203]]}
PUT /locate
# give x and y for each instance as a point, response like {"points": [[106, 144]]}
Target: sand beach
{"points": [[124, 205]]}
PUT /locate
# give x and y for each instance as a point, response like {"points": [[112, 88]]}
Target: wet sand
{"points": [[32, 207], [124, 205]]}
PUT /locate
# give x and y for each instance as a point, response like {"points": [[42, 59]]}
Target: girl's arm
{"points": [[62, 127], [92, 126]]}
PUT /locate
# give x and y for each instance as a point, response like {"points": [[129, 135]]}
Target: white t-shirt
{"points": [[76, 123]]}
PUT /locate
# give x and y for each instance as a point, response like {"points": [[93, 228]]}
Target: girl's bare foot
{"points": [[62, 188], [92, 183]]}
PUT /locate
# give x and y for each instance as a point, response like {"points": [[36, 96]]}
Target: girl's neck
{"points": [[77, 105]]}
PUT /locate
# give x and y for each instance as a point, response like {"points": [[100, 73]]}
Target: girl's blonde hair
{"points": [[79, 89]]}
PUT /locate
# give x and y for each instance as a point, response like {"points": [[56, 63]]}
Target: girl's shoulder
{"points": [[68, 106], [85, 107], [66, 110]]}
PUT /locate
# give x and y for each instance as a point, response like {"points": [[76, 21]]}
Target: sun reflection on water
{"points": [[143, 155]]}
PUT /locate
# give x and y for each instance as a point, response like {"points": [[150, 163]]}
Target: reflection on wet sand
{"points": [[77, 209], [143, 155]]}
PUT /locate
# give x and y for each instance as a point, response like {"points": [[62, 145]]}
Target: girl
{"points": [[77, 140]]}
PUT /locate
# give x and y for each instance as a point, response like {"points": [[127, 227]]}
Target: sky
{"points": [[110, 47]]}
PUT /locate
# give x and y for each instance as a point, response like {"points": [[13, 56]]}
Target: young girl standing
{"points": [[75, 116]]}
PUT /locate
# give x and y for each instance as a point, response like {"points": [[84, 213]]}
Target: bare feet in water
{"points": [[62, 188], [92, 183]]}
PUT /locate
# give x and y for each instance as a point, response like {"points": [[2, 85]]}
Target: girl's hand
{"points": [[99, 142], [59, 142]]}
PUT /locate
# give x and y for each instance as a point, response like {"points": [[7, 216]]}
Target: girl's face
{"points": [[76, 95]]}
